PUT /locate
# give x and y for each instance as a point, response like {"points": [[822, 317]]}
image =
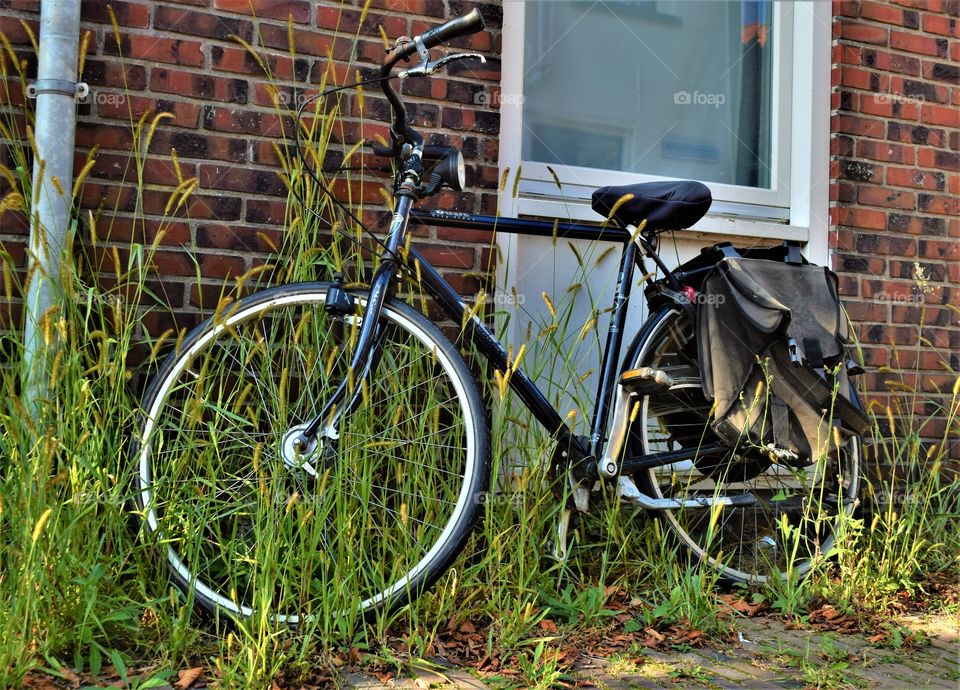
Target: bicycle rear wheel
{"points": [[368, 520], [792, 523]]}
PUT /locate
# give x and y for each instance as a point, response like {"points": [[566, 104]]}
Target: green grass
{"points": [[82, 591]]}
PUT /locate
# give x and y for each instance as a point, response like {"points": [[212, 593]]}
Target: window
{"points": [[732, 93]]}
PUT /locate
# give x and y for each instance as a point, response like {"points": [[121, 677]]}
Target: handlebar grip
{"points": [[470, 23]]}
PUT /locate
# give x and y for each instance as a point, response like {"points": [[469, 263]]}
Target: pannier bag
{"points": [[771, 340]]}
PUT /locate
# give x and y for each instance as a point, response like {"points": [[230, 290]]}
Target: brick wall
{"points": [[178, 57], [895, 143], [896, 188]]}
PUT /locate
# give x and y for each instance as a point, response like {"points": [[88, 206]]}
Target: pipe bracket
{"points": [[79, 90]]}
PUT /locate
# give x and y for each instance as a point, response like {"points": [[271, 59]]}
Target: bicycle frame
{"points": [[406, 148], [598, 464]]}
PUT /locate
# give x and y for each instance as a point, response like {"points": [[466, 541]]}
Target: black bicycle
{"points": [[315, 450]]}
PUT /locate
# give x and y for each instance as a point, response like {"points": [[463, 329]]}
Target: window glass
{"points": [[674, 89]]}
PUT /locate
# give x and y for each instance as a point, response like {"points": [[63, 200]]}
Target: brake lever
{"points": [[427, 67]]}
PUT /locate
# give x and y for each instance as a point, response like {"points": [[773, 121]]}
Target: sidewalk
{"points": [[769, 656]]}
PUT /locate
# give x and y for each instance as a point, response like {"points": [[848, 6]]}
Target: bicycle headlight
{"points": [[445, 167]]}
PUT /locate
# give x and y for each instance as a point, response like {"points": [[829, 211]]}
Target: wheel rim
{"points": [[360, 529], [747, 544]]}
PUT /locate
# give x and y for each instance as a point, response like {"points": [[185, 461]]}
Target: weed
{"points": [[82, 593]]}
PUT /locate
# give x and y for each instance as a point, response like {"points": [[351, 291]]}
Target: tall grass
{"points": [[81, 590], [912, 491], [75, 586]]}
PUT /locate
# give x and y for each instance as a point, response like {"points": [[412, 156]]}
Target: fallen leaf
{"points": [[187, 677], [548, 626], [467, 627]]}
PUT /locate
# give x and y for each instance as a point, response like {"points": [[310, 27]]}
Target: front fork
{"points": [[367, 353]]}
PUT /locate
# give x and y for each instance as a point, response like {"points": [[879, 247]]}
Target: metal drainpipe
{"points": [[55, 90]]}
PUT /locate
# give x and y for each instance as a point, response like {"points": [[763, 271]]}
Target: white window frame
{"points": [[795, 211]]}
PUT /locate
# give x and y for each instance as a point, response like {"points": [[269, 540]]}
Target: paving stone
{"points": [[770, 657]]}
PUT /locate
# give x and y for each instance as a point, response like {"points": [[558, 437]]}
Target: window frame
{"points": [[797, 210]]}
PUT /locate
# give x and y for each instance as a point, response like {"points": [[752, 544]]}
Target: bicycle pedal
{"points": [[646, 380]]}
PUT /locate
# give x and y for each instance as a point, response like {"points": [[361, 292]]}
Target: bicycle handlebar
{"points": [[470, 23]]}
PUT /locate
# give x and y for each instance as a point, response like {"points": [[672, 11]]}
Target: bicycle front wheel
{"points": [[366, 520], [794, 520]]}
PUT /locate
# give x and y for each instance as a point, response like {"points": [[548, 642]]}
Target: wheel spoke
{"points": [[751, 539], [251, 525]]}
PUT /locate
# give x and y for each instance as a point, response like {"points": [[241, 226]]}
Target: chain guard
{"points": [[569, 462]]}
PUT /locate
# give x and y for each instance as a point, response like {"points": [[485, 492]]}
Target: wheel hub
{"points": [[297, 460]]}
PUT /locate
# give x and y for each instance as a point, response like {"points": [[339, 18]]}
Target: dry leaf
{"points": [[467, 627], [187, 677]]}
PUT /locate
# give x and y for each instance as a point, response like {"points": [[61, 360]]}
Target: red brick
{"points": [[433, 8], [943, 205], [939, 115], [129, 14], [221, 266], [889, 105], [857, 78], [881, 12], [939, 249], [167, 263], [201, 86], [861, 126], [448, 256], [216, 147], [108, 73], [915, 43], [939, 24], [104, 135], [884, 151], [863, 218], [891, 62], [914, 177], [215, 207], [241, 179], [240, 60], [942, 71], [185, 114], [239, 238], [299, 10], [155, 49], [863, 33], [121, 228], [207, 24], [12, 28], [876, 196]]}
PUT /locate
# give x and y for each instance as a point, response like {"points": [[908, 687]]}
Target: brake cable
{"points": [[324, 188]]}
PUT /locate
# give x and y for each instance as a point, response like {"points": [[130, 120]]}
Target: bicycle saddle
{"points": [[664, 205]]}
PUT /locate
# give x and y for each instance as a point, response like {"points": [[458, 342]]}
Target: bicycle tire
{"points": [[242, 528], [679, 419]]}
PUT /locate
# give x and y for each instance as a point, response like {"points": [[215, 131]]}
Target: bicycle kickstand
{"points": [[563, 528]]}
